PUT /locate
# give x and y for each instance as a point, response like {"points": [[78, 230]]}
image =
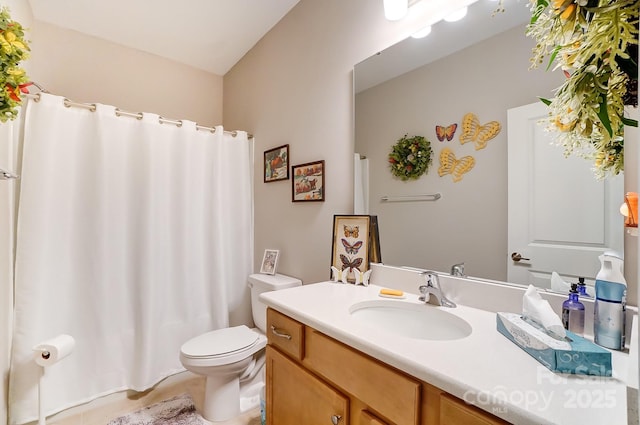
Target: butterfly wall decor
{"points": [[351, 245], [351, 231], [449, 164], [443, 132], [472, 131], [349, 263], [351, 248]]}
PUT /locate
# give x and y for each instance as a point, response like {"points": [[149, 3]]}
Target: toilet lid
{"points": [[219, 342]]}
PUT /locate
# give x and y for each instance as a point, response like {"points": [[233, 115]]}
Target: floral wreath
{"points": [[410, 157], [13, 79], [595, 43]]}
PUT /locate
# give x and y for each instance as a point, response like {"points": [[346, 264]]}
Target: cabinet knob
{"points": [[335, 419]]}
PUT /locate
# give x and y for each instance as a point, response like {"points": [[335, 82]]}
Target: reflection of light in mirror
{"points": [[395, 10], [457, 15], [423, 32]]}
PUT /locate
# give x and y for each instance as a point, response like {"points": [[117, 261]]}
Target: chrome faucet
{"points": [[457, 270], [432, 290]]}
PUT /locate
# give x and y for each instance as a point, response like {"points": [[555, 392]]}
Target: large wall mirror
{"points": [[481, 66]]}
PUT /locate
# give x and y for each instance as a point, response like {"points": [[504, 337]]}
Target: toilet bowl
{"points": [[227, 356]]}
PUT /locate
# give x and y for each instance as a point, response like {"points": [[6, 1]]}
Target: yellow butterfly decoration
{"points": [[449, 164], [472, 131]]}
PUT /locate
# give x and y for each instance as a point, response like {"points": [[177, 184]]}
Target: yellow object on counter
{"points": [[392, 292]]}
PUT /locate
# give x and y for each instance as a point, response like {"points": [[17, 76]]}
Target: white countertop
{"points": [[484, 369]]}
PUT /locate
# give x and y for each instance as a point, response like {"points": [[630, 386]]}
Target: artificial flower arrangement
{"points": [[13, 79], [410, 157], [595, 43]]}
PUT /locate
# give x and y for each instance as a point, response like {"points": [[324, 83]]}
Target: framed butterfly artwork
{"points": [[355, 244]]}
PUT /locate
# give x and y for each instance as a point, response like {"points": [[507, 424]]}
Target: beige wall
{"points": [[295, 87], [87, 69]]}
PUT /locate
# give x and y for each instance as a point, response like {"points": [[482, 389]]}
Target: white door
{"points": [[560, 217]]}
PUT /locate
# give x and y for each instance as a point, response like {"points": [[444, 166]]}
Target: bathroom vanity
{"points": [[313, 378], [326, 366]]}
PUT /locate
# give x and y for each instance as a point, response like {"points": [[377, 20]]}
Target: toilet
{"points": [[232, 356]]}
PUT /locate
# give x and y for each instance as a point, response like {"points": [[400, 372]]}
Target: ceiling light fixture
{"points": [[395, 10], [423, 32], [457, 15]]}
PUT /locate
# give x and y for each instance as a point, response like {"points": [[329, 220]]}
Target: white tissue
{"points": [[538, 310], [52, 351], [559, 285]]}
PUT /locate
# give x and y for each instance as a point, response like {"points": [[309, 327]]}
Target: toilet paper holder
{"points": [[47, 354]]}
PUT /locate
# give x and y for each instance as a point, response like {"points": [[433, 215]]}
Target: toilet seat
{"points": [[222, 346]]}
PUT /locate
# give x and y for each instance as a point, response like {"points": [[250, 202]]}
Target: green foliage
{"points": [[594, 42], [13, 79], [410, 157]]}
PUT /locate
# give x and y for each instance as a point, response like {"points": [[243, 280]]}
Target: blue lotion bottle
{"points": [[610, 305], [573, 312]]}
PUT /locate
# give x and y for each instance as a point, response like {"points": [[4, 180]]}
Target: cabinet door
{"points": [[296, 397], [454, 411], [368, 418]]}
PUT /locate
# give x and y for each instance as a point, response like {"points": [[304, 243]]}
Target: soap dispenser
{"points": [[610, 303], [582, 288], [573, 312]]}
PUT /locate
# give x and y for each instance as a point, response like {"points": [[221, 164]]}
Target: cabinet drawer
{"points": [[392, 394], [285, 333], [455, 411]]}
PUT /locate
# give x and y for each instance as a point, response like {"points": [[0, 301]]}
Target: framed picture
{"points": [[350, 248], [307, 183], [276, 164], [269, 261], [375, 256]]}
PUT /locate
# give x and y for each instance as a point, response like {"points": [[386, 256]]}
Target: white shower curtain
{"points": [[10, 135], [133, 236]]}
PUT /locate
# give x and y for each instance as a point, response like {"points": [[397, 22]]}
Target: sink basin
{"points": [[411, 320]]}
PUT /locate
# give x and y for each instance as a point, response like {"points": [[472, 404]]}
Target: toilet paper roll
{"points": [[52, 351]]}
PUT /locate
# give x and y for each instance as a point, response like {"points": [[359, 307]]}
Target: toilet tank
{"points": [[260, 283]]}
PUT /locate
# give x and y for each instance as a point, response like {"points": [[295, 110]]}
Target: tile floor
{"points": [[101, 411]]}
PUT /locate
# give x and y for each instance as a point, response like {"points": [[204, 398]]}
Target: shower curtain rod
{"points": [[137, 115]]}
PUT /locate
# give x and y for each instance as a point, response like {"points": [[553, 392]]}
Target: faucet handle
{"points": [[424, 292], [457, 269]]}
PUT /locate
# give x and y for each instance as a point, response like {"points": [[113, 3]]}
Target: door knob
{"points": [[335, 419], [517, 257]]}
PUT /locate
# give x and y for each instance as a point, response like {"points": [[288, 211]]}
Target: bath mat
{"points": [[178, 410]]}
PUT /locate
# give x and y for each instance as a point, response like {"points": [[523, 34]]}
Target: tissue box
{"points": [[579, 356]]}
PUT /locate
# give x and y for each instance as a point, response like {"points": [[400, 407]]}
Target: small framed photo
{"points": [[307, 182], [276, 164], [350, 248], [269, 261]]}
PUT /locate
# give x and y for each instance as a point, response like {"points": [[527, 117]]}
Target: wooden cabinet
{"points": [[314, 379], [454, 411], [295, 396], [285, 334]]}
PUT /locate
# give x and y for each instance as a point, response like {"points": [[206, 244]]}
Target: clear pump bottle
{"points": [[573, 312]]}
